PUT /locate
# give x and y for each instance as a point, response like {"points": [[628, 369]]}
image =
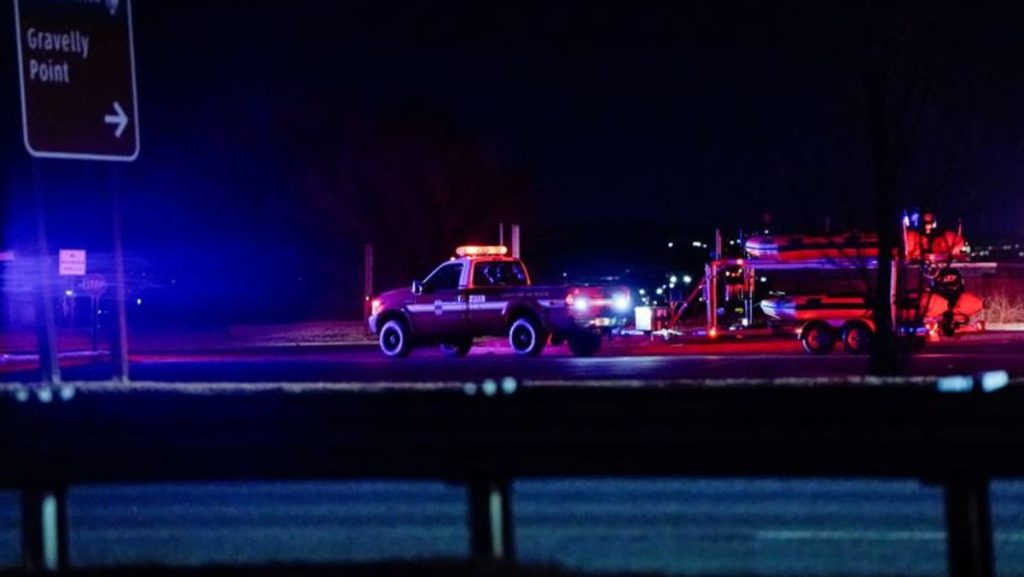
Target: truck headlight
{"points": [[621, 303], [581, 304]]}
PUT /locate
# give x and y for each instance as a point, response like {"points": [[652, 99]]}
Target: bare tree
{"points": [[907, 61]]}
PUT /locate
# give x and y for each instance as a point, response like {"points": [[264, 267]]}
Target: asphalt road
{"points": [[633, 358]]}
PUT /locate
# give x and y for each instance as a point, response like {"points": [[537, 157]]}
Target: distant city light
{"points": [[138, 302], [642, 292], [764, 279], [659, 291], [69, 293], [697, 243], [673, 279], [687, 279], [671, 244]]}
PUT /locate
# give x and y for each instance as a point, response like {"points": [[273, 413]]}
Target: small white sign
{"points": [[72, 263]]}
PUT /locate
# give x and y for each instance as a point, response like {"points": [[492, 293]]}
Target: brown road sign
{"points": [[77, 70]]}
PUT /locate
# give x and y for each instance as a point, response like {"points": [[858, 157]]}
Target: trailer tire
{"points": [[857, 337], [818, 338]]}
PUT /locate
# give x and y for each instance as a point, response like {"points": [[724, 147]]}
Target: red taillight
{"points": [[375, 306]]}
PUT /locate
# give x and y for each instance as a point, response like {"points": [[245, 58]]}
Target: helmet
{"points": [[928, 221]]}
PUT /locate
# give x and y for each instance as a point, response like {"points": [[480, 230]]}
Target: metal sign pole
{"points": [[120, 344], [49, 364], [95, 301]]}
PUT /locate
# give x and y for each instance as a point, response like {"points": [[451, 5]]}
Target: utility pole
{"points": [[515, 241], [367, 277]]}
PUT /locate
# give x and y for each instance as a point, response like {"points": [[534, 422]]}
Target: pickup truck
{"points": [[483, 292]]}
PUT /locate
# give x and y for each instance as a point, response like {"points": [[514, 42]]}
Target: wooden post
{"points": [[368, 270], [515, 241]]}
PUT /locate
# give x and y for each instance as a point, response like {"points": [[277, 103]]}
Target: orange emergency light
{"points": [[480, 250]]}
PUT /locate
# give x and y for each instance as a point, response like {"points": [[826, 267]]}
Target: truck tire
{"points": [[585, 344], [526, 337], [457, 347], [818, 338], [857, 338], [394, 339]]}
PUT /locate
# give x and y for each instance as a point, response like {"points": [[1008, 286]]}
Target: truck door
{"points": [[440, 310], [493, 284]]}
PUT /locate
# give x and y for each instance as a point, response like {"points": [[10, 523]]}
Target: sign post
{"points": [[94, 285], [76, 71]]}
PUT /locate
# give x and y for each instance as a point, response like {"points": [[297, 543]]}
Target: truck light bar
{"points": [[475, 250]]}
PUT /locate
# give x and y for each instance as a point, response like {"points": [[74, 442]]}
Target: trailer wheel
{"points": [[818, 338], [857, 338]]}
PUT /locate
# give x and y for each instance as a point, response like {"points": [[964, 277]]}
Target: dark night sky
{"points": [[597, 125]]}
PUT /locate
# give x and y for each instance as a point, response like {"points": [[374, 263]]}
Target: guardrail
{"points": [[488, 434]]}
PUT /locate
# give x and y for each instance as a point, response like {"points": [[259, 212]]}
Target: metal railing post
{"points": [[969, 526], [490, 519], [44, 530]]}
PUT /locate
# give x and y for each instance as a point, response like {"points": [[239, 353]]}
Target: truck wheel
{"points": [[394, 339], [526, 337], [584, 344], [818, 338], [857, 338], [457, 347]]}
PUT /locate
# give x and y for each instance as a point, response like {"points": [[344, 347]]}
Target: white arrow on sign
{"points": [[120, 119]]}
